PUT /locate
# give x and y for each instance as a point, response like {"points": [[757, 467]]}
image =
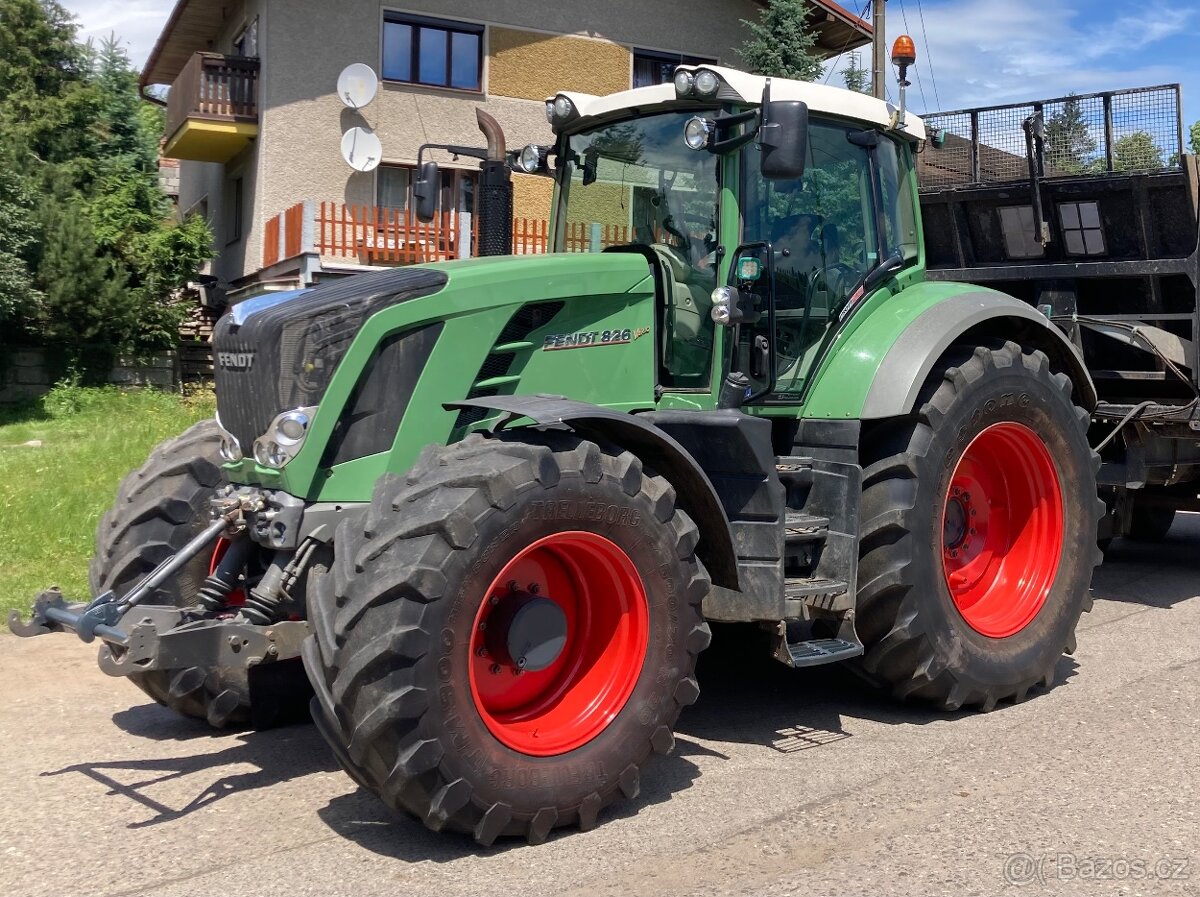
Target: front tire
{"points": [[979, 539], [509, 635], [160, 507]]}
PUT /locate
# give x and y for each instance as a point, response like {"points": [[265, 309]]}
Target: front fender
{"points": [[878, 369], [655, 448]]}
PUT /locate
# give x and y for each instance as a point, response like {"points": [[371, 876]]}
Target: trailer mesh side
{"points": [[1139, 130]]}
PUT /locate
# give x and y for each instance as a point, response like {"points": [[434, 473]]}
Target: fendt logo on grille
{"points": [[235, 361]]}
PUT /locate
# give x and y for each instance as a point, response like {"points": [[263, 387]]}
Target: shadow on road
{"points": [[746, 697], [1148, 573], [277, 755], [361, 817]]}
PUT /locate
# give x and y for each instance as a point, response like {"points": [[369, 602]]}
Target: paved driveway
{"points": [[782, 782]]}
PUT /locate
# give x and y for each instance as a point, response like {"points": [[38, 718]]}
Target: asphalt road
{"points": [[783, 782]]}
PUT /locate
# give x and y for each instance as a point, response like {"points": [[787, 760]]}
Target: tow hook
{"points": [[99, 618]]}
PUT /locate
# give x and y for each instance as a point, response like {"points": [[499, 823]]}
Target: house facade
{"points": [[255, 120]]}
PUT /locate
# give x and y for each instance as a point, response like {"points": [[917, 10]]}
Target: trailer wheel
{"points": [[979, 537], [1148, 523], [509, 635], [159, 508]]}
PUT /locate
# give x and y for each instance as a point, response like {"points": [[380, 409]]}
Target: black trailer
{"points": [[1087, 208]]}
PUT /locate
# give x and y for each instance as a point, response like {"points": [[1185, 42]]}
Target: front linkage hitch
{"points": [[163, 637]]}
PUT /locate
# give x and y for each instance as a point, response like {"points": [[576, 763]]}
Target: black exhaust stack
{"points": [[494, 200]]}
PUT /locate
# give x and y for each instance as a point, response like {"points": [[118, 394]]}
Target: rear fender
{"points": [[879, 369]]}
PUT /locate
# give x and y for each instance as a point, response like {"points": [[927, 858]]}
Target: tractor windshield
{"points": [[636, 182]]}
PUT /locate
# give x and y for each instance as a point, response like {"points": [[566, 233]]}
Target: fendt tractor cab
{"points": [[493, 503]]}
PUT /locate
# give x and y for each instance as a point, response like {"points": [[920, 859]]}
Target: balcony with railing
{"points": [[341, 233], [212, 108]]}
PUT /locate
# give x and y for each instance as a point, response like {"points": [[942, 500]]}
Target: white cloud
{"points": [[136, 23]]}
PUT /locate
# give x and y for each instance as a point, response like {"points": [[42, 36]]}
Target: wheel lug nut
{"points": [[516, 672], [483, 626], [494, 600], [521, 661], [482, 652], [513, 586], [534, 588], [495, 668]]}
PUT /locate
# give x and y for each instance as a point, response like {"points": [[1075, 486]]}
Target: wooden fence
{"points": [[373, 235]]}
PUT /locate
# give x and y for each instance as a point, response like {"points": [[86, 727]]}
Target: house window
{"points": [[246, 43], [393, 187], [653, 67], [1020, 233], [1082, 231], [233, 223], [435, 52]]}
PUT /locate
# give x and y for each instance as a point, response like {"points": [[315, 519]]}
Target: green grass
{"points": [[52, 495]]}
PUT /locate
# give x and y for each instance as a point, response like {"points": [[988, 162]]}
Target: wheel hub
{"points": [[524, 631]]}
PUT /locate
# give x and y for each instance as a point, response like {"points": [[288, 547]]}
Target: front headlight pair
{"points": [[284, 438]]}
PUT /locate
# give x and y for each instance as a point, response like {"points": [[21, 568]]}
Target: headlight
{"points": [[231, 449], [563, 107], [684, 82], [530, 160], [696, 133], [284, 438], [724, 299], [706, 82], [550, 111]]}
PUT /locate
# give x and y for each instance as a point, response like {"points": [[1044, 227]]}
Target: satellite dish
{"points": [[356, 85], [361, 149]]}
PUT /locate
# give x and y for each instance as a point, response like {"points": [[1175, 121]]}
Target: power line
{"points": [[928, 54], [861, 14], [916, 71]]}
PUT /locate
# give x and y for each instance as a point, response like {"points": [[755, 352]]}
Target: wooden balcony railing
{"points": [[213, 87], [371, 235]]}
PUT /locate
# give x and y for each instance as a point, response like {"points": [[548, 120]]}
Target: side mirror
{"points": [[425, 190], [784, 139]]}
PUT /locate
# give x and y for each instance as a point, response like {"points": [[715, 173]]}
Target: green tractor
{"points": [[491, 505]]}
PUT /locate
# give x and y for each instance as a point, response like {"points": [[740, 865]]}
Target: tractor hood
{"points": [[367, 362]]}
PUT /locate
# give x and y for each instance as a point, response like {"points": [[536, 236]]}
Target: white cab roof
{"points": [[820, 98]]}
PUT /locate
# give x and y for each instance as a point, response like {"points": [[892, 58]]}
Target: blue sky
{"points": [[979, 52]]}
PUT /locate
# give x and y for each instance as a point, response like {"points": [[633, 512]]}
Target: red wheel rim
{"points": [[573, 698], [1002, 529]]}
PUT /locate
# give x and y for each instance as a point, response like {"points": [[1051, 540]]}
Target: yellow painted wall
{"points": [[533, 66], [531, 196]]}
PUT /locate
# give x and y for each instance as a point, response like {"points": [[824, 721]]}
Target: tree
{"points": [[97, 260], [1194, 139], [1137, 152], [1069, 143], [855, 76], [18, 296], [86, 300], [781, 42]]}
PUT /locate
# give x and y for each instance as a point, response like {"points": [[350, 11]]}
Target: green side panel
{"points": [[841, 383], [603, 295]]}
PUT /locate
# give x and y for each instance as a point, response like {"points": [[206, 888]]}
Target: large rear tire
{"points": [[979, 537], [509, 635], [160, 507]]}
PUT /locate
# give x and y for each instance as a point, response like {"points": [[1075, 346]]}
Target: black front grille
{"points": [[282, 355]]}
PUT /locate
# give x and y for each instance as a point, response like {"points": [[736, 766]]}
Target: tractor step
{"points": [[822, 650], [812, 591], [801, 527]]}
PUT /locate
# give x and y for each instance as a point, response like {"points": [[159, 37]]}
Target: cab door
{"points": [[815, 238]]}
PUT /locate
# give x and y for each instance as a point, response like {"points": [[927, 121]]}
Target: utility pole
{"points": [[879, 63]]}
